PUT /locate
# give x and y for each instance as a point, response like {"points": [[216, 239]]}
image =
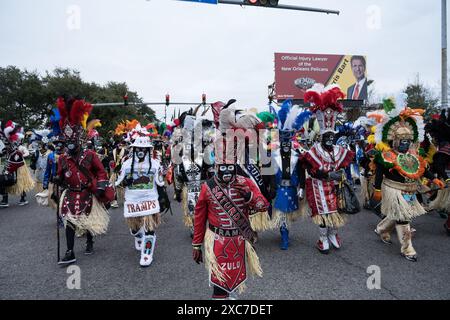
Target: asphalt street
{"points": [[28, 268]]}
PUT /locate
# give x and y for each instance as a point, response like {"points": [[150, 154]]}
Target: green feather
{"points": [[266, 117], [388, 105]]}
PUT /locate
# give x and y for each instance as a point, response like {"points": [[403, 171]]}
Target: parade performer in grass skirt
{"points": [[38, 161], [121, 153], [83, 178], [194, 169], [141, 175], [325, 163], [288, 169], [399, 171], [49, 195], [223, 228], [439, 129], [16, 175]]}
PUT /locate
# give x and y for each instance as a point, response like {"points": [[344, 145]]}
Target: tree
{"points": [[27, 98], [421, 97], [22, 97]]}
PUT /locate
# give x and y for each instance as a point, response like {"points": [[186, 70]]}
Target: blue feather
{"points": [[54, 119], [301, 119], [283, 113], [274, 112]]}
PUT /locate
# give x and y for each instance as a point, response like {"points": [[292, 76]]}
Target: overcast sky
{"points": [[226, 51]]}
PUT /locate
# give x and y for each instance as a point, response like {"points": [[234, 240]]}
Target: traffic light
{"points": [[125, 99], [167, 99], [262, 3]]}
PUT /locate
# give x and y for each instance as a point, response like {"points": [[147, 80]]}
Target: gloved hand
{"points": [[129, 181], [100, 193], [57, 180], [245, 191], [439, 183], [301, 193], [247, 196], [197, 254], [336, 175]]}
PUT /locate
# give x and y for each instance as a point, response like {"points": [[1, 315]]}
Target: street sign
{"points": [[202, 1]]}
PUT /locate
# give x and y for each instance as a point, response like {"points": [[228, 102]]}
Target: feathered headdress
{"points": [[291, 119], [397, 121], [73, 116], [12, 132], [326, 105], [231, 118]]}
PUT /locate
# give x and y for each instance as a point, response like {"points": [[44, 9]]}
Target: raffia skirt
{"points": [[399, 202]]}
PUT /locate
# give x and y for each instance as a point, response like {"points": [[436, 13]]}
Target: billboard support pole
{"points": [[444, 102]]}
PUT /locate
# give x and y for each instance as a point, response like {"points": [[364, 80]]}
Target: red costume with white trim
{"points": [[321, 193], [228, 251]]}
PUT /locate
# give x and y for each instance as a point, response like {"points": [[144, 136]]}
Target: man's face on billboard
{"points": [[358, 69]]}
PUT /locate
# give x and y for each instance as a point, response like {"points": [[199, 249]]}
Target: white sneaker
{"points": [[23, 203], [322, 244], [334, 238], [114, 204], [148, 247]]}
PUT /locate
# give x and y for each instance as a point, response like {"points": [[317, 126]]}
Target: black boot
{"points": [[89, 248], [4, 202], [89, 244], [69, 258], [23, 201]]}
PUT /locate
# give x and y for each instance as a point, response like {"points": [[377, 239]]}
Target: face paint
{"points": [[72, 148], [286, 146], [141, 153], [226, 173], [328, 141], [404, 145]]}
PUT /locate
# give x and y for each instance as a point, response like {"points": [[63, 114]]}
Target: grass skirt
{"points": [[149, 223], [279, 218], [25, 182], [260, 221], [442, 201], [394, 205], [251, 260], [188, 219], [96, 222]]}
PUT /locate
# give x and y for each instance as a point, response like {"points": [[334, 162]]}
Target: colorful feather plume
{"points": [[323, 98]]}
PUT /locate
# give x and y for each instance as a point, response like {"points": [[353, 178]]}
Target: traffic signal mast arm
{"points": [[279, 6]]}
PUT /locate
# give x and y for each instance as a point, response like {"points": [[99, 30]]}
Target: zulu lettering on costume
{"points": [[255, 174], [232, 210]]}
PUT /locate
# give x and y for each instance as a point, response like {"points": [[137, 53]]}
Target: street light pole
{"points": [[444, 56]]}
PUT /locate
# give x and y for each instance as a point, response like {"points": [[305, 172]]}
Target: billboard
{"points": [[297, 72]]}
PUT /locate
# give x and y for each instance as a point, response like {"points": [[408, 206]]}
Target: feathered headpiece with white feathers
{"points": [[397, 121]]}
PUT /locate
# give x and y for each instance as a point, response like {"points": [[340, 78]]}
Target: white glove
{"points": [[301, 193]]}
